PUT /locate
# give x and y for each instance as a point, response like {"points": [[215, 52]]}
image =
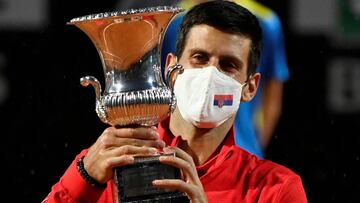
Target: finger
{"points": [[119, 161], [175, 184], [174, 161], [103, 169], [187, 167], [107, 142], [145, 133], [179, 153], [140, 143], [172, 184], [132, 150], [187, 160]]}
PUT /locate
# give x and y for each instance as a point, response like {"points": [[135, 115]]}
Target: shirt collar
{"points": [[223, 153]]}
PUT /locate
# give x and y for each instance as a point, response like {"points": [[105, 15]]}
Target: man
{"points": [[219, 47], [256, 120]]}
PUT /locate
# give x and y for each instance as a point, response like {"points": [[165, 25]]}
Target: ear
{"points": [[251, 87], [171, 60]]}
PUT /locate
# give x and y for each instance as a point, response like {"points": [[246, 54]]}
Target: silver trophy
{"points": [[129, 44]]}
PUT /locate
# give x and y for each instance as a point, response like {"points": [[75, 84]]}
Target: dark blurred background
{"points": [[47, 117]]}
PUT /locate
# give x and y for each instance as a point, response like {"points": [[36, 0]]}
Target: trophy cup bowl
{"points": [[129, 45]]}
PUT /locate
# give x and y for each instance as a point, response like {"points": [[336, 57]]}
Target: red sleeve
{"points": [[292, 191], [72, 187]]}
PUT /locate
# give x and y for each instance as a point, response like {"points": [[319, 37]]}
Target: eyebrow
{"points": [[197, 50]]}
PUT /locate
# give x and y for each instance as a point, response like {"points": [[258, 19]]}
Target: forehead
{"points": [[216, 42]]}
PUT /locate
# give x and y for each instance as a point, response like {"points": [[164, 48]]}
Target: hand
{"points": [[117, 147], [190, 182]]}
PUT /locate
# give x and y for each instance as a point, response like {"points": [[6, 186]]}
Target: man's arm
{"points": [[114, 148], [72, 187]]}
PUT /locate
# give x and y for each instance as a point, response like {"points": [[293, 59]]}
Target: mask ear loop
{"points": [[247, 81], [245, 84]]}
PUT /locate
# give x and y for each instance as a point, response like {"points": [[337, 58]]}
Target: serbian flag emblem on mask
{"points": [[223, 100]]}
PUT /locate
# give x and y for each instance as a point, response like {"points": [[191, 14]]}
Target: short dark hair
{"points": [[228, 17]]}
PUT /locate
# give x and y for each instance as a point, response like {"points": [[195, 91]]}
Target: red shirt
{"points": [[232, 175]]}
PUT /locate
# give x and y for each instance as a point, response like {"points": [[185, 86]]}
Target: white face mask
{"points": [[206, 97]]}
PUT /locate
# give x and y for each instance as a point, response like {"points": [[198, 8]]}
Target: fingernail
{"points": [[161, 144], [152, 150], [155, 133], [130, 159], [161, 158], [168, 150]]}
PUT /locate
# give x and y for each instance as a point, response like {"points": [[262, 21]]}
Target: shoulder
{"points": [[261, 171], [262, 167], [272, 180]]}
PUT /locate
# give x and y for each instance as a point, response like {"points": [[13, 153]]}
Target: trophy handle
{"points": [[170, 81], [100, 108], [90, 80]]}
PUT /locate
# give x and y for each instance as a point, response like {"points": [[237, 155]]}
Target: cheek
{"points": [[184, 61]]}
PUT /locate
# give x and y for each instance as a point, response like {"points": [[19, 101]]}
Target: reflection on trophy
{"points": [[129, 45]]}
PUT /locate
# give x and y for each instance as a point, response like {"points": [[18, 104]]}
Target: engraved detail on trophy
{"points": [[129, 45]]}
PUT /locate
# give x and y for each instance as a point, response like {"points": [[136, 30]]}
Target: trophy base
{"points": [[134, 182], [168, 198]]}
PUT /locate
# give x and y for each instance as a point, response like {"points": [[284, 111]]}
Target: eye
{"points": [[229, 67], [199, 58]]}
